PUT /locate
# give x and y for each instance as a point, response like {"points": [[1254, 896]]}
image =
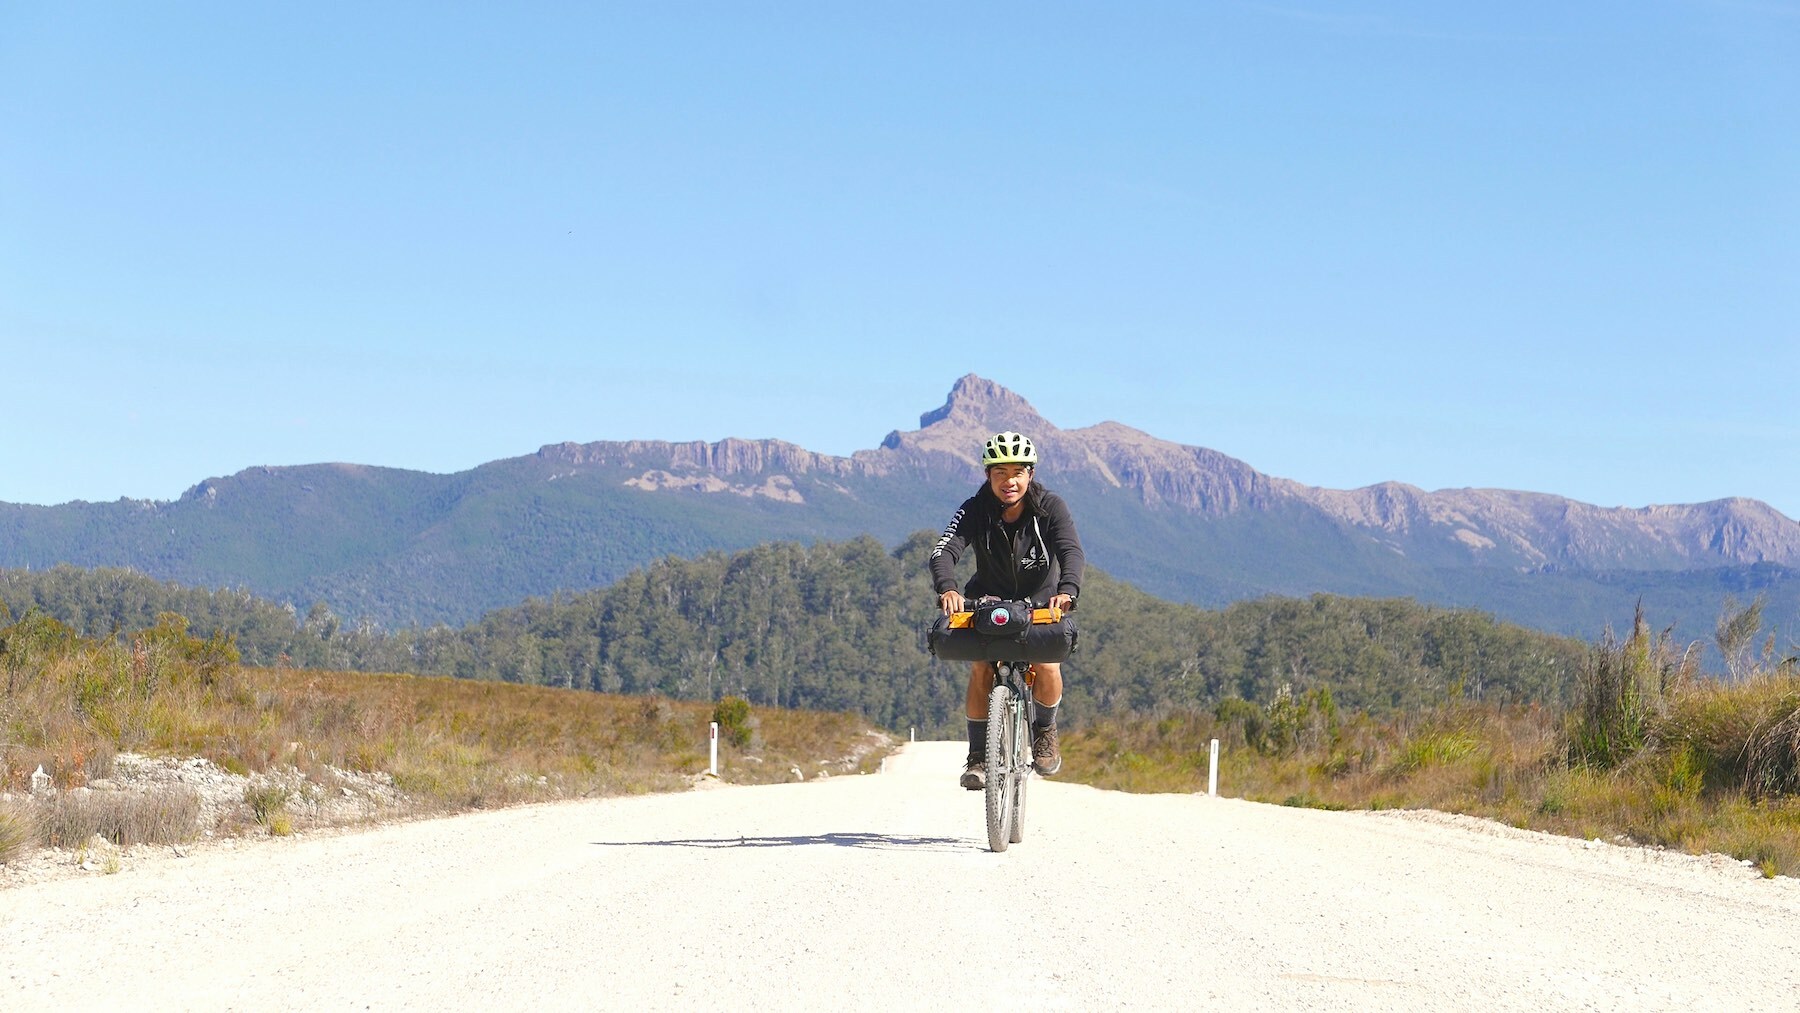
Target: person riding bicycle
{"points": [[1025, 549]]}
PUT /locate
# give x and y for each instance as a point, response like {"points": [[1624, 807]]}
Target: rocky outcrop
{"points": [[727, 457], [775, 487]]}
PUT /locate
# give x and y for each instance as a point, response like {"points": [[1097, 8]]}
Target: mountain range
{"points": [[404, 547]]}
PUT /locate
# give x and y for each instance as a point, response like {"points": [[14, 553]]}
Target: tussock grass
{"points": [[167, 816], [1624, 691], [1772, 759], [18, 830]]}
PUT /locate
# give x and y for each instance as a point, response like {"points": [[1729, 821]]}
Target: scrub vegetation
{"points": [[71, 704], [1649, 752]]}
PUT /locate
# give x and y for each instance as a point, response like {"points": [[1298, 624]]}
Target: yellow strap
{"points": [[965, 620]]}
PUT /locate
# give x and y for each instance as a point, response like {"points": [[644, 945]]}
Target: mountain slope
{"points": [[1183, 522]]}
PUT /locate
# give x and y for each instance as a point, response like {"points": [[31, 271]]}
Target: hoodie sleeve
{"points": [[950, 546], [1065, 545]]}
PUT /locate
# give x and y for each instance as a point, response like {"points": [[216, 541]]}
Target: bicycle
{"points": [[1013, 635]]}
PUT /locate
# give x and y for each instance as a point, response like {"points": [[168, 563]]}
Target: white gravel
{"points": [[878, 892]]}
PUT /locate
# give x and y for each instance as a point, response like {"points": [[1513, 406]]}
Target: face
{"points": [[1009, 482]]}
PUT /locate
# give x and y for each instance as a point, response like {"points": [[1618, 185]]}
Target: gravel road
{"points": [[878, 892]]}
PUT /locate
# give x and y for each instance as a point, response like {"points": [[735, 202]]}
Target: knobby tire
{"points": [[1002, 751], [1021, 766]]}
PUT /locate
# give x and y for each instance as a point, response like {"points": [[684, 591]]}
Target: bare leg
{"points": [[981, 682], [1046, 684], [1046, 687]]}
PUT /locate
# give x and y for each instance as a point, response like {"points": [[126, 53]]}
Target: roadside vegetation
{"points": [[1326, 701], [837, 627], [71, 706], [1650, 752]]}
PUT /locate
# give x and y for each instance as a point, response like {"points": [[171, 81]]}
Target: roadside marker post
{"points": [[1212, 770], [714, 768]]}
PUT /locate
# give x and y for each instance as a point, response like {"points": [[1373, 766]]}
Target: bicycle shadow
{"points": [[874, 842]]}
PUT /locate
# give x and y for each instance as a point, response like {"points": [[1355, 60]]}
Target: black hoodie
{"points": [[1042, 557]]}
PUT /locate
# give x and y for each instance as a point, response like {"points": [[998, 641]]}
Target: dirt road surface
{"points": [[877, 892]]}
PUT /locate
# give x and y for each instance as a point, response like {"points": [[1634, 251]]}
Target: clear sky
{"points": [[1532, 245]]}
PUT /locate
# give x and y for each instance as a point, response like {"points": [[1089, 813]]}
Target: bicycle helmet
{"points": [[1008, 448]]}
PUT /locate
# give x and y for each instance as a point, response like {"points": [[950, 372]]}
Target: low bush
{"points": [[732, 714], [267, 800]]}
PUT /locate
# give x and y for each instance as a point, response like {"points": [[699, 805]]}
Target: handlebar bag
{"points": [[1003, 619], [1003, 631]]}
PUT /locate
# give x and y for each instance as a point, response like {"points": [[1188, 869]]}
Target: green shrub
{"points": [[1248, 720], [735, 723], [267, 799]]}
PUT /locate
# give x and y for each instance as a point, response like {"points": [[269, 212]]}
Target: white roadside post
{"points": [[714, 768], [1212, 770]]}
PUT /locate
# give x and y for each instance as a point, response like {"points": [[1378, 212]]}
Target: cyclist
{"points": [[1025, 548]]}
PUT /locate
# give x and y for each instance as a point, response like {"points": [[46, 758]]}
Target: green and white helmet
{"points": [[1008, 448]]}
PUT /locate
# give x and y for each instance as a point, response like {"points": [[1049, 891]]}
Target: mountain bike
{"points": [[1012, 635], [1010, 712]]}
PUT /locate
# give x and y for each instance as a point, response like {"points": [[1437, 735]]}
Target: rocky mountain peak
{"points": [[974, 399], [976, 409]]}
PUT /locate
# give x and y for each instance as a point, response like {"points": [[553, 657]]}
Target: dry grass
{"points": [[18, 830], [70, 820], [1687, 787], [452, 744], [448, 744]]}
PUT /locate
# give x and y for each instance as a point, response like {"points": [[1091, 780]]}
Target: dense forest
{"points": [[839, 626]]}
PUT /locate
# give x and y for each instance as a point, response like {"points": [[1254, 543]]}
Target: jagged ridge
{"points": [[1522, 530]]}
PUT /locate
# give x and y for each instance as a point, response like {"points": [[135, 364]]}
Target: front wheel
{"points": [[1020, 772], [1002, 786]]}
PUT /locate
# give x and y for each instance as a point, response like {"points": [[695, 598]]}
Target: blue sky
{"points": [[1538, 246]]}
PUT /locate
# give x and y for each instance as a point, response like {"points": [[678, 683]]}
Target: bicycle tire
{"points": [[1022, 773], [1001, 754]]}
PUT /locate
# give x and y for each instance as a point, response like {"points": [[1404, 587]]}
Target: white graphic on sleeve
{"points": [[949, 533]]}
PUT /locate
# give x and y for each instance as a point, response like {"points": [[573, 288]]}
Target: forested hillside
{"points": [[838, 626]]}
